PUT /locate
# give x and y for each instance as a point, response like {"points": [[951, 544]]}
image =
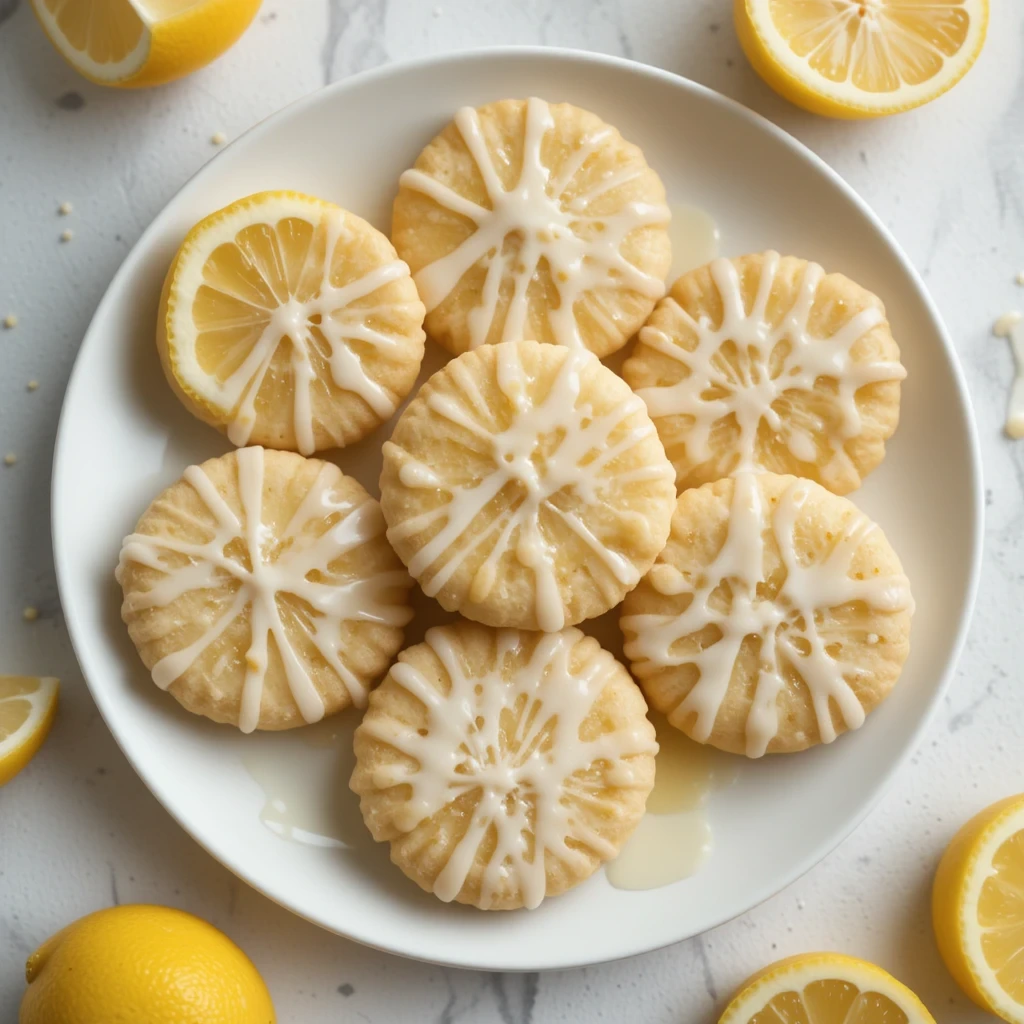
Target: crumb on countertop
{"points": [[10, 321], [32, 385], [67, 235], [30, 614], [10, 459], [218, 138], [64, 209]]}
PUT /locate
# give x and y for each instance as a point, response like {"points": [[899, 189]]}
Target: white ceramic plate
{"points": [[123, 437]]}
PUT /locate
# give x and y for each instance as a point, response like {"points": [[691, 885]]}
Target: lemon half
{"points": [[861, 58], [133, 43], [824, 988], [27, 707], [978, 908]]}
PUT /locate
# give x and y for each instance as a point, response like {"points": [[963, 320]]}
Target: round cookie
{"points": [[289, 322], [525, 486], [776, 618], [524, 219], [767, 362], [260, 590], [503, 767]]}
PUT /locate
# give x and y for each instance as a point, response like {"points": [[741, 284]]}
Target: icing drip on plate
{"points": [[580, 468], [249, 569], [514, 738], [581, 250], [787, 626], [763, 365]]}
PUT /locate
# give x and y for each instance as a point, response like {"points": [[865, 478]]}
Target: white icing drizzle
{"points": [[750, 391], [276, 566], [536, 786], [581, 464], [1011, 325], [582, 250], [788, 626], [327, 316]]}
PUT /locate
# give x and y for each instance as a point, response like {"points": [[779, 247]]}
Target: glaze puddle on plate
{"points": [[695, 239], [673, 839], [299, 772]]}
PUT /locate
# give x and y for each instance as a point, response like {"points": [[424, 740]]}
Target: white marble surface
{"points": [[79, 831]]}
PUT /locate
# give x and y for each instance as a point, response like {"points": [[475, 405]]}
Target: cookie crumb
{"points": [[10, 322], [30, 614], [1006, 323], [1020, 278], [10, 459], [218, 138], [67, 235], [64, 209], [32, 385]]}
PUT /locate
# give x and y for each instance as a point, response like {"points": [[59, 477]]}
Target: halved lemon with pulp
{"points": [[978, 908], [824, 988], [142, 42], [861, 58], [27, 707]]}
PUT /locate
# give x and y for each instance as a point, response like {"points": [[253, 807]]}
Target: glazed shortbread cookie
{"points": [[260, 590], [776, 618], [503, 767], [768, 362], [525, 486], [524, 219], [289, 322]]}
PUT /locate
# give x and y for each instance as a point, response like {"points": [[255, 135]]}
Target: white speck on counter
{"points": [[64, 209], [10, 322], [1020, 278], [10, 459], [1011, 325], [32, 385], [218, 138], [67, 235], [30, 614]]}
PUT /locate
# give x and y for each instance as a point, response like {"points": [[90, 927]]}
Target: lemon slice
{"points": [[978, 908], [824, 988], [142, 42], [27, 707], [291, 323], [861, 58]]}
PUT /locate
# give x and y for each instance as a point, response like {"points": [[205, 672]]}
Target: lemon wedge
{"points": [[27, 707], [824, 988], [133, 43], [978, 908], [861, 58]]}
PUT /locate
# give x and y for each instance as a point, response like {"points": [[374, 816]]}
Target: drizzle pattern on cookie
{"points": [[325, 324], [582, 464], [744, 369], [247, 571], [534, 775], [725, 598], [581, 249]]}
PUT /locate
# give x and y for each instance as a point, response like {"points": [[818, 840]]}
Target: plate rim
{"points": [[480, 961]]}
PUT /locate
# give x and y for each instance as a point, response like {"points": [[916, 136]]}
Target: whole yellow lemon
{"points": [[143, 965]]}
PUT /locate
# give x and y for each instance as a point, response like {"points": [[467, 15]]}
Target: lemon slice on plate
{"points": [[861, 58], [27, 707], [978, 908], [824, 988], [142, 42]]}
